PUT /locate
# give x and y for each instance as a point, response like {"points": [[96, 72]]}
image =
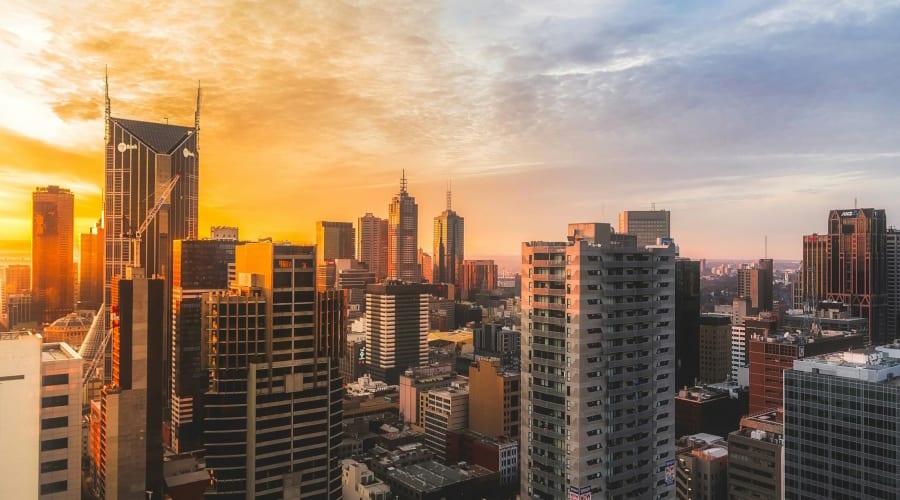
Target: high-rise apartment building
{"points": [[20, 400], [756, 458], [334, 240], [403, 236], [372, 244], [892, 262], [52, 257], [426, 266], [131, 407], [840, 425], [687, 322], [715, 347], [272, 350], [16, 281], [857, 266], [477, 276], [598, 376], [494, 399], [199, 266], [91, 277], [449, 245], [60, 422], [647, 225], [397, 329], [141, 159]]}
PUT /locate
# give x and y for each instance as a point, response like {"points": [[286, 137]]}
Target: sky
{"points": [[745, 119]]}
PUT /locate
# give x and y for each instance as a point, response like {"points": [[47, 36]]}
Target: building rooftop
{"points": [[73, 321], [60, 351], [431, 476], [767, 426], [701, 394], [872, 364], [159, 137]]}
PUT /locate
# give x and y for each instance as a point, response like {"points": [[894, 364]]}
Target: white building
{"points": [[61, 443], [738, 352], [359, 483], [20, 414], [598, 367]]}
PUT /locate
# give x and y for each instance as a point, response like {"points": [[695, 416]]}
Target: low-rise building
{"points": [[359, 483], [701, 468], [756, 458]]}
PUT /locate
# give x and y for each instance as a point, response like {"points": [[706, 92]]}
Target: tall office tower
{"points": [[403, 236], [131, 407], [449, 245], [687, 322], [17, 280], [770, 355], [598, 374], [840, 425], [756, 283], [814, 271], [91, 262], [273, 345], [647, 225], [60, 422], [857, 266], [892, 263], [199, 266], [141, 159], [372, 244], [334, 240], [495, 396], [396, 329], [476, 276], [426, 266], [224, 233], [715, 347], [446, 410], [52, 284], [756, 458], [20, 400]]}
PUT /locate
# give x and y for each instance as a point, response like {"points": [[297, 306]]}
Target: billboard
{"points": [[670, 472], [576, 493]]}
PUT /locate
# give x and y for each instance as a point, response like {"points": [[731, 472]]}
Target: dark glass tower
{"points": [[403, 236], [449, 241]]}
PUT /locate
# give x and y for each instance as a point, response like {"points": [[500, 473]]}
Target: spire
{"points": [[106, 111], [197, 119], [403, 183], [449, 197]]}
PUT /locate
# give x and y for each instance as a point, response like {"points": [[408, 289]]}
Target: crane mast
{"points": [[151, 214]]}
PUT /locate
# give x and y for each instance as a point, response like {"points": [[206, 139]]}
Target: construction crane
{"points": [[91, 364], [151, 214]]}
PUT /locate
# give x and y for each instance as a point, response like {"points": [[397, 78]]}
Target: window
{"points": [[53, 401], [54, 466], [54, 444], [56, 487], [54, 423], [60, 379]]}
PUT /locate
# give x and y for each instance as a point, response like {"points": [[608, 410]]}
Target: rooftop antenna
{"points": [[653, 206], [766, 246], [403, 183], [197, 120], [106, 110], [854, 203]]}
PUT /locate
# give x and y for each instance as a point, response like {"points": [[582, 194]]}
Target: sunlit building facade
{"points": [[372, 244], [52, 239], [403, 236]]}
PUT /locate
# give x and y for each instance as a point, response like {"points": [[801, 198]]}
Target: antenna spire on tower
{"points": [[106, 110], [449, 196], [403, 183], [197, 120]]}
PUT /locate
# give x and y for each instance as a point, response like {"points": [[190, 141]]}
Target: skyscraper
{"points": [[141, 159], [52, 257], [91, 262], [892, 261], [715, 347], [397, 329], [273, 348], [449, 245], [16, 281], [477, 275], [647, 225], [334, 240], [857, 266], [598, 368], [372, 244], [687, 322], [199, 266], [840, 425], [403, 236], [756, 283], [814, 271]]}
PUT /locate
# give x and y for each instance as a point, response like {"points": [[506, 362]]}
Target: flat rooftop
{"points": [[58, 351], [432, 476], [872, 364]]}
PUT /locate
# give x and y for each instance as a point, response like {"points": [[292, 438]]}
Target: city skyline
{"points": [[744, 107]]}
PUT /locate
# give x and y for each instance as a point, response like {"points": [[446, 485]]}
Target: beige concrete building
{"points": [[359, 483], [60, 422], [494, 399], [702, 468], [447, 410], [20, 414]]}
